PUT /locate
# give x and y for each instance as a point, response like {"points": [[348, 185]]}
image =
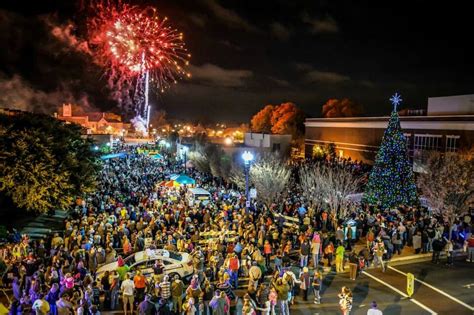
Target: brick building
{"points": [[447, 126]]}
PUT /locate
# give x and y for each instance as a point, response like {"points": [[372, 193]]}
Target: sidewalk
{"points": [[44, 224]]}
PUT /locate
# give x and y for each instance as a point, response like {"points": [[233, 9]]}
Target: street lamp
{"points": [[185, 150], [247, 156]]}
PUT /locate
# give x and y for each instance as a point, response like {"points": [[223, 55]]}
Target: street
{"points": [[456, 282]]}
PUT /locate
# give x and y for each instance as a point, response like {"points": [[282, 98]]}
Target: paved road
{"points": [[365, 290], [446, 290]]}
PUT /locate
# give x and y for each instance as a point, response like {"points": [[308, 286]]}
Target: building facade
{"points": [[447, 130], [95, 122], [268, 142]]}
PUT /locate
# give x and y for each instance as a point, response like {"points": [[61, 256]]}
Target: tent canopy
{"points": [[170, 183], [184, 180], [157, 156], [113, 156]]}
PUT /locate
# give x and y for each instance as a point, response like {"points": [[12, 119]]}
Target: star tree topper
{"points": [[396, 99]]}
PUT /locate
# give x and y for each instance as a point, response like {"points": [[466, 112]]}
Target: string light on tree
{"points": [[391, 182]]}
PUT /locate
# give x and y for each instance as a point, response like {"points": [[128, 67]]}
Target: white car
{"points": [[174, 263]]}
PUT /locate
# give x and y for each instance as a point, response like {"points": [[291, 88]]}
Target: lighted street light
{"points": [[96, 148], [228, 141], [247, 156]]}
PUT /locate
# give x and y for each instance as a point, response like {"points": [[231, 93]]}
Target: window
{"points": [[427, 142], [407, 139], [422, 145], [451, 143]]}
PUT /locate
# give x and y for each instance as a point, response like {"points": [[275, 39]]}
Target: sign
{"points": [[410, 284], [247, 204], [253, 193]]}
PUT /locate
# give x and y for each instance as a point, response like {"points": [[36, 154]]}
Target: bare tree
{"points": [[323, 184], [237, 176], [199, 160], [270, 177], [311, 183], [448, 183], [268, 174]]}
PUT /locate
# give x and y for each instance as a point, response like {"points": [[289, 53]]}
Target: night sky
{"points": [[247, 54]]}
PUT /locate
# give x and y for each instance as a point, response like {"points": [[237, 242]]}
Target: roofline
{"points": [[351, 119]]}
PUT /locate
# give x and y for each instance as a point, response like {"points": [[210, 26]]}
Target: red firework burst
{"points": [[133, 40]]}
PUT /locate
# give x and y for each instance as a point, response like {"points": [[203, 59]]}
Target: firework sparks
{"points": [[136, 45], [134, 40]]}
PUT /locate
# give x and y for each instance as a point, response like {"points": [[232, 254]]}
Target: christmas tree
{"points": [[391, 182]]}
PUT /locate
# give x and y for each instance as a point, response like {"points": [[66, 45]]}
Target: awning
{"points": [[113, 156], [185, 180]]}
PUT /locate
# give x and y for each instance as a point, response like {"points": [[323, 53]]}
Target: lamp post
{"points": [[185, 150], [247, 156]]}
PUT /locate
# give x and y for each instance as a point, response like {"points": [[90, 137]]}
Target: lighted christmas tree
{"points": [[391, 182]]}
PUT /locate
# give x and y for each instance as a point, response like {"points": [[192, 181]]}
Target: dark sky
{"points": [[250, 53]]}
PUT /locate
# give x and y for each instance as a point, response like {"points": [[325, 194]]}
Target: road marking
{"points": [[426, 308], [437, 290], [468, 286]]}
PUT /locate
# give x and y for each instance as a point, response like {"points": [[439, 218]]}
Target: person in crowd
{"points": [[353, 265], [437, 245], [379, 251], [128, 289], [329, 253], [177, 291], [305, 282], [345, 300], [316, 249], [305, 249], [133, 211], [282, 289], [41, 306], [374, 310], [340, 252], [147, 307], [469, 245], [317, 283], [140, 284]]}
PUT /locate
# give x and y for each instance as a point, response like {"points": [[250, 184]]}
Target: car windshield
{"points": [[176, 256], [130, 260]]}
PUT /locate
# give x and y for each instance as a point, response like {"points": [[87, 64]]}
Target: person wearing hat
{"points": [[374, 310]]}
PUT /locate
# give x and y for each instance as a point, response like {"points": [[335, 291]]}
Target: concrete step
{"points": [[36, 236], [36, 224], [29, 230]]}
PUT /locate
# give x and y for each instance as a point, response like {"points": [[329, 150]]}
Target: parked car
{"points": [[174, 263]]}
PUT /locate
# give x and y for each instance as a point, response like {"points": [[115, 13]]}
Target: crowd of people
{"points": [[266, 265]]}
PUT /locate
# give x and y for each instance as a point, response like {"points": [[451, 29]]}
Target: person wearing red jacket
{"points": [[470, 248]]}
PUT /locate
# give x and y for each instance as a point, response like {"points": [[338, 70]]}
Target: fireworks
{"points": [[137, 48], [132, 40]]}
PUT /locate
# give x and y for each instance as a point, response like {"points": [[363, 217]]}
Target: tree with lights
{"points": [[391, 182]]}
